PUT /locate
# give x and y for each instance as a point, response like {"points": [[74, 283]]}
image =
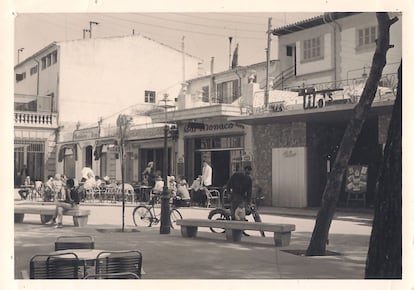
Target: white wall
{"points": [[48, 79], [352, 60], [100, 77]]}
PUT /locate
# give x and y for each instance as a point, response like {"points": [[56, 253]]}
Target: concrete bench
{"points": [[234, 229], [46, 212]]}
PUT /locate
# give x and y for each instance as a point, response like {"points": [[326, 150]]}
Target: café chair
{"points": [[213, 197], [111, 262], [43, 266], [74, 242]]}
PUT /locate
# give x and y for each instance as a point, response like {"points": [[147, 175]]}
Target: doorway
{"points": [[220, 162]]}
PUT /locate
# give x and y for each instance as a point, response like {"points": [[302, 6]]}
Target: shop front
{"points": [[221, 144], [144, 146], [294, 153]]}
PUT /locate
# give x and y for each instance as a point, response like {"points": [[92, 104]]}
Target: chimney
{"points": [[212, 65]]}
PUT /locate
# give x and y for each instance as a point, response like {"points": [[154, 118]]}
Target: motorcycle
{"points": [[224, 214]]}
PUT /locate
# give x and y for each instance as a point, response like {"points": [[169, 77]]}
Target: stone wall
{"points": [[266, 137]]}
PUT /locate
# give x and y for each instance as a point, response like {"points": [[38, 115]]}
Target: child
{"points": [[240, 212]]}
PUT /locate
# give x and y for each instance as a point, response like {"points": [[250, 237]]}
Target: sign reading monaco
{"points": [[209, 128]]}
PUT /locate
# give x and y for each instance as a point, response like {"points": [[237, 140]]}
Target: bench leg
{"points": [[234, 235], [188, 232], [80, 221], [18, 217], [282, 239], [45, 218]]}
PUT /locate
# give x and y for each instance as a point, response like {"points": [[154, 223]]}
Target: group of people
{"points": [[179, 189], [67, 193]]}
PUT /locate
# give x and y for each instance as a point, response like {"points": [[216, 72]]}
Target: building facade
{"points": [[205, 105], [324, 63], [82, 84]]}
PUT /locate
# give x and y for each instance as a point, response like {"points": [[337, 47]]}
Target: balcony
{"points": [[35, 119], [32, 111]]}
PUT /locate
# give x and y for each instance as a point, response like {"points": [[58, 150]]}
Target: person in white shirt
{"points": [[158, 186], [207, 174]]}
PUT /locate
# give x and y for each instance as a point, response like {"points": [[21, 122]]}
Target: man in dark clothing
{"points": [[239, 187]]}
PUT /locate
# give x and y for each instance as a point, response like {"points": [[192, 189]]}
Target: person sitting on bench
{"points": [[69, 200]]}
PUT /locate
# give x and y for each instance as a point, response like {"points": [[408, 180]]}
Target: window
{"points": [[20, 77], [312, 49], [289, 50], [366, 36], [54, 57], [33, 70], [49, 59], [149, 97], [227, 92], [206, 94], [43, 63]]}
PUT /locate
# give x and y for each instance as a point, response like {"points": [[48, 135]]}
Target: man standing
{"points": [[207, 174], [239, 187], [206, 181]]}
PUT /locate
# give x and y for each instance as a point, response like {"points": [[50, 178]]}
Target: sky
{"points": [[205, 35]]}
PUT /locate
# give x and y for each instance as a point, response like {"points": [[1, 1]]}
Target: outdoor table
{"points": [[86, 256]]}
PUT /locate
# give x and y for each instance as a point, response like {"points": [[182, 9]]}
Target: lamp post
{"points": [[18, 54], [165, 197], [123, 122]]}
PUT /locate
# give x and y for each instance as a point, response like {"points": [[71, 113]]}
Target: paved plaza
{"points": [[210, 256]]}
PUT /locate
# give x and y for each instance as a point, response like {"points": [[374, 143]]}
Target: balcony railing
{"points": [[35, 119]]}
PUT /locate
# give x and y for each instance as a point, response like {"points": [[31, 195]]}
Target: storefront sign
{"points": [[148, 133], [289, 153], [86, 134], [209, 128], [113, 149]]}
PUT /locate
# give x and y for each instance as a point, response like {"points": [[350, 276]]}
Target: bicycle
{"points": [[145, 215], [223, 213]]}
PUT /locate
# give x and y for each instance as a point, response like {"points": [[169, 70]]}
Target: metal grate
{"points": [[31, 146]]}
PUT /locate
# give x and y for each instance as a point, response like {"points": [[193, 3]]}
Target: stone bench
{"points": [[234, 229], [46, 212]]}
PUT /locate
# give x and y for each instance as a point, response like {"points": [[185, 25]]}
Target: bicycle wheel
{"points": [[174, 216], [142, 216], [218, 214]]}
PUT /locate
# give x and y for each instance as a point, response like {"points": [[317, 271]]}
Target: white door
{"points": [[289, 179]]}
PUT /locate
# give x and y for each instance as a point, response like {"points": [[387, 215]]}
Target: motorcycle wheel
{"points": [[258, 219], [218, 214]]}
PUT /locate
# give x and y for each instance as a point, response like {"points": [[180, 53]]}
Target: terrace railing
{"points": [[35, 119]]}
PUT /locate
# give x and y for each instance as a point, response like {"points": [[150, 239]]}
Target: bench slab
{"points": [[46, 212], [234, 229]]}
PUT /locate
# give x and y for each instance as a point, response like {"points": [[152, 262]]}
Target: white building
{"points": [[82, 81]]}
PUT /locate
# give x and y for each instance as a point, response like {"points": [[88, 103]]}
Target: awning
{"points": [[99, 146], [71, 146]]}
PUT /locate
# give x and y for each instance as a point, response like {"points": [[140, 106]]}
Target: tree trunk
{"points": [[317, 245], [385, 249]]}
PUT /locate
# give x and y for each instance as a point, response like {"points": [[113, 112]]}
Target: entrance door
{"points": [[220, 162], [88, 156], [289, 181]]}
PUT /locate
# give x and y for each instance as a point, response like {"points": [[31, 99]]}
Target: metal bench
{"points": [[234, 229], [46, 212]]}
